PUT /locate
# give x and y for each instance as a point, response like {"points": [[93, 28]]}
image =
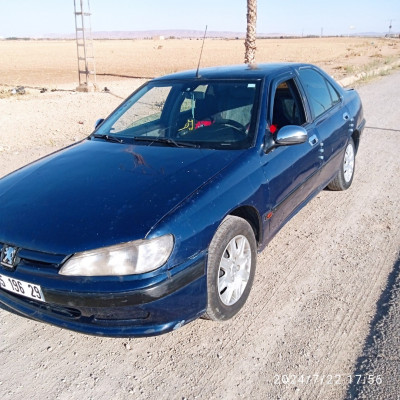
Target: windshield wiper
{"points": [[107, 137], [165, 140]]}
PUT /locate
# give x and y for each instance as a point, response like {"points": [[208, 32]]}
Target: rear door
{"points": [[330, 117]]}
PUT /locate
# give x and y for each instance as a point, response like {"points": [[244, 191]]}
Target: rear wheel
{"points": [[344, 178], [230, 268]]}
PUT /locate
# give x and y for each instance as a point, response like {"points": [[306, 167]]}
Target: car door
{"points": [[291, 171], [331, 119]]}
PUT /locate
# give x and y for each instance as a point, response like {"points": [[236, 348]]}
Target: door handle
{"points": [[313, 140], [346, 116]]}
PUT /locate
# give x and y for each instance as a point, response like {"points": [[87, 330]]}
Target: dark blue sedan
{"points": [[156, 218]]}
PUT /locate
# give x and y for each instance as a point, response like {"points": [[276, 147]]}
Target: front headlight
{"points": [[129, 258]]}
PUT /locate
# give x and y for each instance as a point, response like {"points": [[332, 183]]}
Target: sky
{"points": [[32, 18]]}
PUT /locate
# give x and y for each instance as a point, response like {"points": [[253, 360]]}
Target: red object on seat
{"points": [[200, 124]]}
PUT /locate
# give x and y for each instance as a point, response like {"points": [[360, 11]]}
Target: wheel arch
{"points": [[251, 215]]}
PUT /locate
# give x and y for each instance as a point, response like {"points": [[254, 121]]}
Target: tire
{"points": [[344, 178], [231, 264]]}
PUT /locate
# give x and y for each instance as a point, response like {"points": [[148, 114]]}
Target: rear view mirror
{"points": [[291, 134], [194, 95]]}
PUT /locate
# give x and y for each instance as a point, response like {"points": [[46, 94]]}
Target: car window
{"points": [[334, 94], [147, 109], [216, 103], [321, 95], [287, 106], [214, 114]]}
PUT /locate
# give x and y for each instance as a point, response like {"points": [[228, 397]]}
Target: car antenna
{"points": [[201, 52]]}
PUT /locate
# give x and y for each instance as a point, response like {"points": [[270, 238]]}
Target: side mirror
{"points": [[291, 134], [98, 123]]}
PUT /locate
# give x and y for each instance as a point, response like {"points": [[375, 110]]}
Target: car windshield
{"points": [[216, 114]]}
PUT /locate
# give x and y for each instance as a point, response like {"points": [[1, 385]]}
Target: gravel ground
{"points": [[307, 321], [381, 356]]}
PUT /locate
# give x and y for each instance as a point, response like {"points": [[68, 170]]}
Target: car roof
{"points": [[242, 71]]}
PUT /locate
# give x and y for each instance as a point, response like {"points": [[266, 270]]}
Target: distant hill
{"points": [[183, 34], [166, 33], [148, 34]]}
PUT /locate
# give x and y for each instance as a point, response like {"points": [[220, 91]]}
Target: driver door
{"points": [[291, 171]]}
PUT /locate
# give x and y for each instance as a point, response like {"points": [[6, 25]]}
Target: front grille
{"points": [[37, 258]]}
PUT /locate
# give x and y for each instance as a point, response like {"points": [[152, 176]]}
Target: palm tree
{"points": [[250, 42]]}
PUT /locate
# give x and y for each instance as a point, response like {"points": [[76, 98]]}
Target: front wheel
{"points": [[230, 269], [344, 178]]}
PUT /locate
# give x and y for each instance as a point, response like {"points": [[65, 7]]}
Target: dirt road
{"points": [[382, 347], [306, 320]]}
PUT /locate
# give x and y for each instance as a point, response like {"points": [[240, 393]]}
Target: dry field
{"points": [[53, 63]]}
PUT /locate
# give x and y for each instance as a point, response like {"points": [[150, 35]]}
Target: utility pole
{"points": [[390, 26], [84, 46]]}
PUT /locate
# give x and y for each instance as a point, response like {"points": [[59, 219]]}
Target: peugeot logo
{"points": [[8, 256]]}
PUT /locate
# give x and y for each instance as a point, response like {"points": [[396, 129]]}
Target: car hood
{"points": [[98, 193]]}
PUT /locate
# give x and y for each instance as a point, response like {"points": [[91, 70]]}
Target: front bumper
{"points": [[148, 311]]}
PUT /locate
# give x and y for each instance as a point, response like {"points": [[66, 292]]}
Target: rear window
{"points": [[320, 93]]}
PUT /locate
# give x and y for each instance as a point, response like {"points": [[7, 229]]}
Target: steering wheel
{"points": [[233, 124]]}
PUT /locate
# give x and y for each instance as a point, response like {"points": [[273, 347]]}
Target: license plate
{"points": [[21, 287]]}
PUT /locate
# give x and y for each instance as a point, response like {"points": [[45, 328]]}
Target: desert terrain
{"points": [[317, 284], [53, 63]]}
